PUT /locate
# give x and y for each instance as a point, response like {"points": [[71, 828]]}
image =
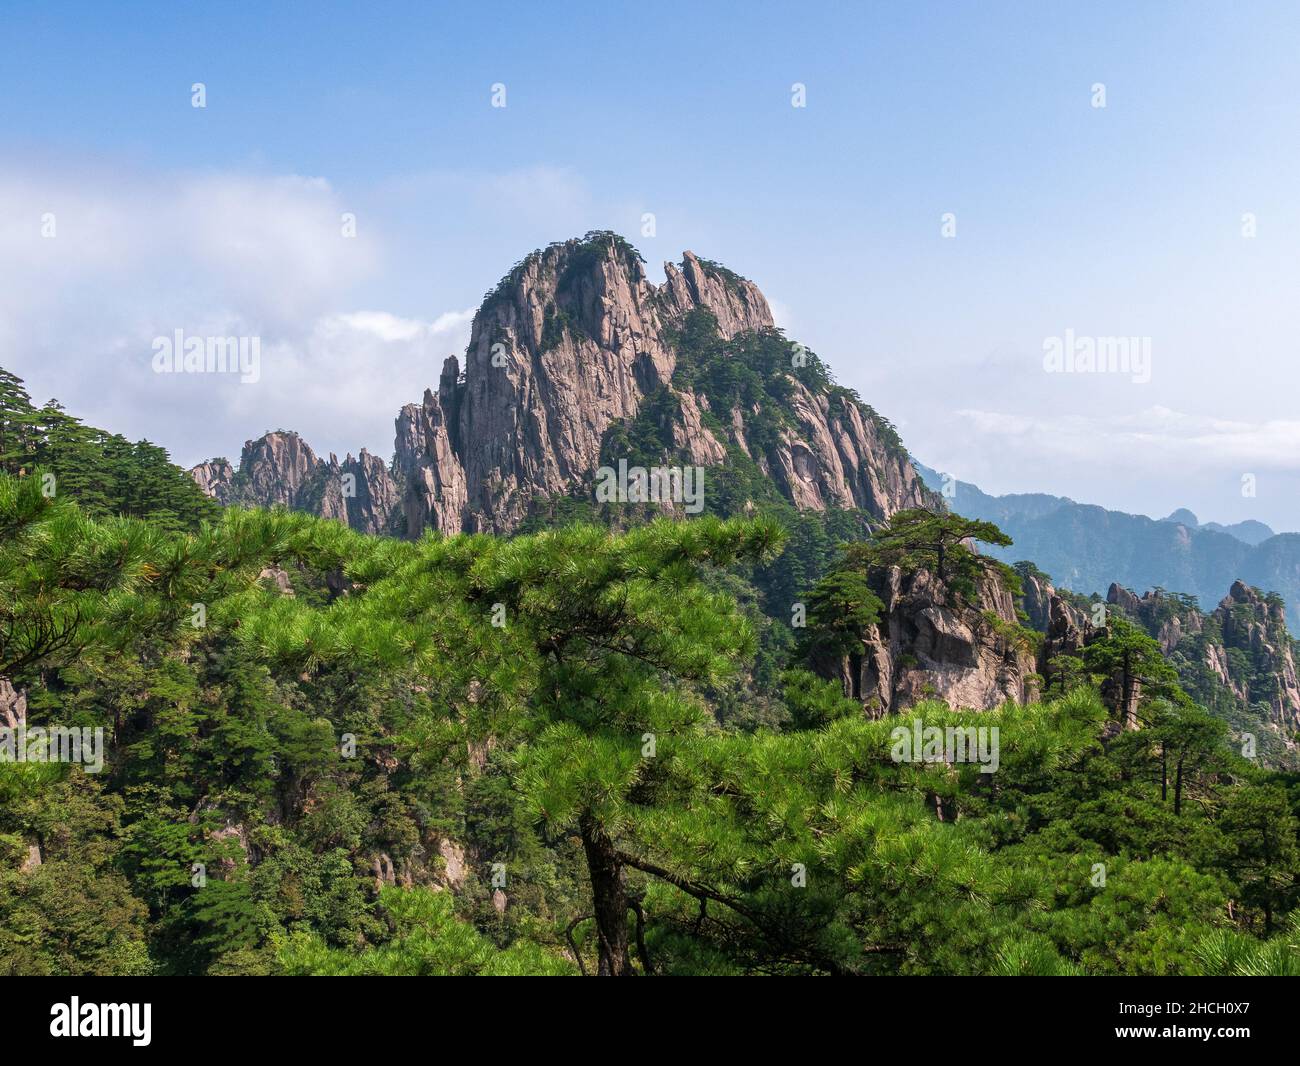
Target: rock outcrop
{"points": [[435, 492], [1065, 627], [215, 478], [1167, 618], [572, 341], [930, 645], [280, 470], [1243, 645], [1255, 625], [13, 705]]}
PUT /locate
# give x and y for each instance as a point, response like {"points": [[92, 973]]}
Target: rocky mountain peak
{"points": [[277, 466], [1243, 646], [572, 342], [280, 469], [1255, 625], [1183, 517], [735, 302], [215, 477]]}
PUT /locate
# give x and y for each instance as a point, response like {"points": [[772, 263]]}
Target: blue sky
{"points": [[1117, 221]]}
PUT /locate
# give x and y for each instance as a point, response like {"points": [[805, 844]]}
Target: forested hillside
{"points": [[328, 752], [104, 472]]}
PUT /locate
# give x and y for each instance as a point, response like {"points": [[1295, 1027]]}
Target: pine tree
{"points": [[1130, 667], [18, 422], [940, 542]]}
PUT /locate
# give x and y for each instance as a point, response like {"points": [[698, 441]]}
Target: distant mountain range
{"points": [[1250, 531], [1086, 548]]}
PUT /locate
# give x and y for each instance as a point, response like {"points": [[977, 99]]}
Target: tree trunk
{"points": [[609, 897], [1129, 693], [1178, 788], [1164, 772]]}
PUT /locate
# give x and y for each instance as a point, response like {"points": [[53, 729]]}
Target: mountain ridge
{"points": [[1086, 547], [571, 348]]}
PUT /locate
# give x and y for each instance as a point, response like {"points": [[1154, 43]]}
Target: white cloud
{"points": [[1152, 437], [1149, 461], [342, 383], [136, 257], [390, 328], [270, 246]]}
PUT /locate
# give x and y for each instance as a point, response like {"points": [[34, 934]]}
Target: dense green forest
{"points": [[104, 472], [327, 753]]}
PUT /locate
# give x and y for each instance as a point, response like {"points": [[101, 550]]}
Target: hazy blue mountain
{"points": [[1249, 531], [1085, 548]]}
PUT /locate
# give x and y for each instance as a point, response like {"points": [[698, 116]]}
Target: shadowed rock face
{"points": [[957, 654], [1245, 622], [572, 340], [929, 645], [1256, 625], [281, 470]]}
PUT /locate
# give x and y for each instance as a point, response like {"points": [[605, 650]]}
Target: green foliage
{"points": [[104, 473], [1226, 953], [937, 541], [429, 941], [330, 782], [842, 607], [1129, 665]]}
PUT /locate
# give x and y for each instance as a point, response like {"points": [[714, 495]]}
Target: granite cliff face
{"points": [[1256, 625], [1242, 646], [280, 470], [1066, 627], [215, 477], [928, 645], [574, 340], [571, 343]]}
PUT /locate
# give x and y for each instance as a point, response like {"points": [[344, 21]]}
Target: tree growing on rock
{"points": [[1130, 668], [942, 543]]}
